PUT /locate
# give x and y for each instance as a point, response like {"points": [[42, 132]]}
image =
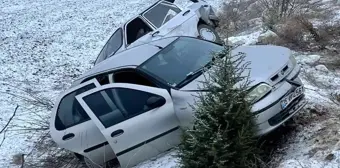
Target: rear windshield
{"points": [[161, 13], [69, 111]]}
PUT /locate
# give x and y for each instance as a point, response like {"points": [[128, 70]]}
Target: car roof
{"points": [[131, 57]]}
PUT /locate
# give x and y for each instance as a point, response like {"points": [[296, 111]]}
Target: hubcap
{"points": [[207, 34]]}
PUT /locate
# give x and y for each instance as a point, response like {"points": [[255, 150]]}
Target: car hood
{"points": [[265, 61]]}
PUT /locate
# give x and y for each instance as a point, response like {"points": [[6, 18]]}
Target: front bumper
{"points": [[268, 111]]}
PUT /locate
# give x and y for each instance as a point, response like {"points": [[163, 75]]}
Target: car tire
{"points": [[207, 32]]}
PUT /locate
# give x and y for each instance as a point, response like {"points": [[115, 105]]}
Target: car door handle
{"points": [[117, 133], [68, 136], [155, 33], [186, 12]]}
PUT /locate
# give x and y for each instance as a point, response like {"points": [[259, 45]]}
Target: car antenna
{"points": [[160, 47]]}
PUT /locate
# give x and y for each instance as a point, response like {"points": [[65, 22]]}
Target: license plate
{"points": [[292, 96]]}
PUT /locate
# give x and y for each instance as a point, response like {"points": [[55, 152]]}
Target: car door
{"points": [[71, 128], [138, 121]]}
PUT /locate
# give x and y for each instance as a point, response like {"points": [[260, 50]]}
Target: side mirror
{"points": [[155, 101]]}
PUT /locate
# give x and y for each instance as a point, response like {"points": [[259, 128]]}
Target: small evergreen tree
{"points": [[224, 129]]}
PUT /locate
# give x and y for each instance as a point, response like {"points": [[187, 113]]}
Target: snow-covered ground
{"points": [[44, 45]]}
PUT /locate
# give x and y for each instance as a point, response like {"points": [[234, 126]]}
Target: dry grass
{"points": [[291, 20], [276, 12], [237, 16], [45, 153], [298, 33]]}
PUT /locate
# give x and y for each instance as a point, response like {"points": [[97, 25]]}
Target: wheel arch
{"points": [[207, 16], [79, 156], [201, 21]]}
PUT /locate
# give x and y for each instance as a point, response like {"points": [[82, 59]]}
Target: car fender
{"points": [[187, 28], [184, 102], [207, 14]]}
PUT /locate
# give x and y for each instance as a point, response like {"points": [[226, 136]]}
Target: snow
{"points": [[312, 163], [166, 160], [311, 59], [248, 39], [44, 45], [321, 68]]}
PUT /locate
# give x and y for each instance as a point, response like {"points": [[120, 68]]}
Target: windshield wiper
{"points": [[196, 72], [199, 70], [193, 74]]}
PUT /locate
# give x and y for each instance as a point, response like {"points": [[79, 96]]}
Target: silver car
{"points": [[163, 19], [135, 105]]}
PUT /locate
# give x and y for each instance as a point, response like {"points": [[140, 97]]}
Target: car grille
{"points": [[284, 113], [280, 75]]}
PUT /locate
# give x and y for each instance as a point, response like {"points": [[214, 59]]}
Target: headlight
{"points": [[293, 60], [258, 92]]}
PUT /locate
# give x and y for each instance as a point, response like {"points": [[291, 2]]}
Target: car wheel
{"points": [[206, 32]]}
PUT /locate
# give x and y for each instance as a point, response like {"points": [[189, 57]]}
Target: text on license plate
{"points": [[289, 98]]}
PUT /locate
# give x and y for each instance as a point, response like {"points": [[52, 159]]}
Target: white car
{"points": [[134, 105], [163, 19]]}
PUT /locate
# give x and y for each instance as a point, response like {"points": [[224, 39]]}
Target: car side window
{"points": [[115, 105], [130, 76], [135, 29], [70, 112], [123, 76], [112, 45]]}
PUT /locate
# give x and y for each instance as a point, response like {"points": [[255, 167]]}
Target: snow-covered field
{"points": [[44, 45]]}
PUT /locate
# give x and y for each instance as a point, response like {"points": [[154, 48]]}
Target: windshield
{"points": [[175, 63], [161, 13]]}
